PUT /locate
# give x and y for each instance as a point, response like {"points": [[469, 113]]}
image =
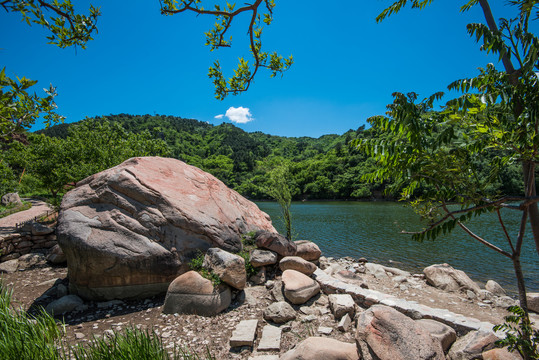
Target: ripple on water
{"points": [[372, 230]]}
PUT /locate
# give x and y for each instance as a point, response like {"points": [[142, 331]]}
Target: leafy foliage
{"points": [[519, 334], [261, 13], [197, 264]]}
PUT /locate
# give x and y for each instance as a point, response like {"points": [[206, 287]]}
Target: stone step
{"points": [[271, 338], [367, 298], [244, 333]]}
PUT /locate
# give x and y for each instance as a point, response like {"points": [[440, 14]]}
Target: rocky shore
{"points": [[36, 282]]}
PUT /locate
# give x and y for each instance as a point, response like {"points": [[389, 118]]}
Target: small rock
{"points": [[341, 304], [472, 345], [501, 354], [64, 305], [275, 242], [495, 288], [261, 257], [277, 291], [445, 277], [504, 302], [533, 302], [324, 330], [109, 304], [56, 255], [322, 348], [307, 250], [345, 323], [244, 333], [79, 336], [9, 267], [229, 267], [279, 312], [309, 318], [260, 277], [297, 263], [376, 270], [298, 287]]}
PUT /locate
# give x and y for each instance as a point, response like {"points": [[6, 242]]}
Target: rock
{"points": [[344, 323], [229, 267], [298, 287], [271, 339], [130, 230], [307, 250], [533, 302], [31, 260], [260, 277], [443, 333], [275, 242], [445, 277], [261, 257], [376, 270], [495, 288], [485, 295], [324, 330], [501, 354], [41, 230], [321, 348], [472, 345], [279, 312], [341, 304], [190, 293], [297, 263], [244, 333], [64, 305], [277, 291], [11, 198], [56, 255], [505, 302], [9, 267], [380, 326]]}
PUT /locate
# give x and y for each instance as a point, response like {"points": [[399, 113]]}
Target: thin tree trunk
{"points": [[533, 212], [520, 282]]}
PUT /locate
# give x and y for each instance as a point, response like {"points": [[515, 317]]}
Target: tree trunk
{"points": [[533, 213], [520, 282]]}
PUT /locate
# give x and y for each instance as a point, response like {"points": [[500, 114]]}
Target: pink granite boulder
{"points": [[130, 230]]}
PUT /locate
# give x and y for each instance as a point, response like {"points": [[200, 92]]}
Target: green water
{"points": [[372, 230]]}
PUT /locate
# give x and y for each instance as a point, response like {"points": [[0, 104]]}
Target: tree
{"points": [[496, 115], [19, 109], [280, 189]]}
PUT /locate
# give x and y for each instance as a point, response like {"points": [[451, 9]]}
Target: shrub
{"points": [[248, 267], [197, 264], [519, 334]]}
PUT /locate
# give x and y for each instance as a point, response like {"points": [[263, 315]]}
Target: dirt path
{"points": [[8, 223]]}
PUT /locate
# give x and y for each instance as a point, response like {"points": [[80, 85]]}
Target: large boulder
{"points": [[130, 230], [533, 302], [445, 277], [259, 257], [386, 334], [321, 348], [190, 293], [443, 333]]}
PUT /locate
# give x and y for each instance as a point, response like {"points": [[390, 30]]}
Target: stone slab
{"points": [[264, 357], [271, 338], [366, 297], [324, 330], [244, 333]]}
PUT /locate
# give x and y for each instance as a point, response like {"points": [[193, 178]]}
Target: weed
{"points": [[519, 334], [197, 264]]}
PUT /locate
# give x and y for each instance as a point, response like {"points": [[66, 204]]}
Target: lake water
{"points": [[372, 230]]}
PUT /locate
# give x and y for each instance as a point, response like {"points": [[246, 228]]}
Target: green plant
{"points": [[197, 264], [248, 239], [519, 334], [248, 267], [13, 208], [26, 337]]}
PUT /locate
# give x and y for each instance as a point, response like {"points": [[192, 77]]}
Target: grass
{"points": [[13, 208], [197, 264], [39, 337]]}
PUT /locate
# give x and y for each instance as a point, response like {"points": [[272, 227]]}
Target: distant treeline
{"points": [[328, 167]]}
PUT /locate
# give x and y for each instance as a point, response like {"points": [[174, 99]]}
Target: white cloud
{"points": [[220, 116], [239, 115]]}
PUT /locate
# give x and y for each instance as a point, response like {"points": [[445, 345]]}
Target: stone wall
{"points": [[31, 237]]}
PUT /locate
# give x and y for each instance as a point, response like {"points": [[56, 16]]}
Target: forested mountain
{"points": [[328, 167]]}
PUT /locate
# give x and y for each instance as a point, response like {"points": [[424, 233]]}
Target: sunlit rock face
{"points": [[130, 230]]}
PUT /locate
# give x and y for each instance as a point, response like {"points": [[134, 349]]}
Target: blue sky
{"points": [[346, 65]]}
